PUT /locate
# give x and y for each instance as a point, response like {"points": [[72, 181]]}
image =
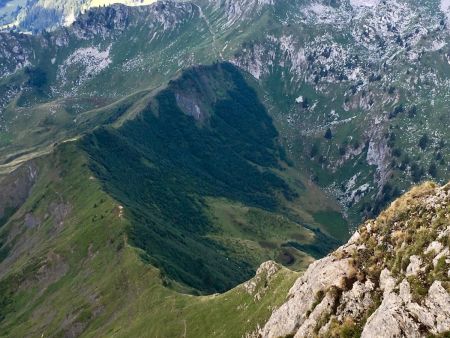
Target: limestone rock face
{"points": [[391, 320], [257, 286], [414, 265], [390, 280], [354, 302], [320, 277]]}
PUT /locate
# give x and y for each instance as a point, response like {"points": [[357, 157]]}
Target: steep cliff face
{"points": [[16, 188], [390, 280]]}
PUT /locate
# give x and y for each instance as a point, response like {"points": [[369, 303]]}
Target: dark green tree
{"points": [[423, 142], [432, 170]]}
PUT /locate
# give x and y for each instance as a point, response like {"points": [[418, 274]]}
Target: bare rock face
{"points": [[258, 285], [399, 316], [320, 277], [414, 265], [15, 188], [239, 9], [355, 301], [391, 319], [390, 280]]}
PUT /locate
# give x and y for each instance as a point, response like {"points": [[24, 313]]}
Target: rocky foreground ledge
{"points": [[390, 280]]}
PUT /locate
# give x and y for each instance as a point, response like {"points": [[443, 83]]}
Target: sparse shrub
{"points": [[305, 103], [440, 270], [418, 289], [416, 172], [350, 329], [412, 112], [397, 110], [424, 141], [356, 144], [397, 152], [432, 170], [391, 139], [314, 150], [37, 77]]}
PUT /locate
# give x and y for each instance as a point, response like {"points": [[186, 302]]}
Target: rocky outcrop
{"points": [[47, 15], [390, 280], [311, 296], [111, 21], [258, 285], [15, 53], [189, 106], [15, 188], [238, 10]]}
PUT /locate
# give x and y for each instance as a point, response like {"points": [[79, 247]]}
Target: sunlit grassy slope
{"points": [[76, 272]]}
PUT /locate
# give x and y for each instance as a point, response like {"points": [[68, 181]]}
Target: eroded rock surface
{"points": [[390, 280]]}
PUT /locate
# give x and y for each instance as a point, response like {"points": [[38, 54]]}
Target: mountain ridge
{"points": [[152, 153], [83, 271]]}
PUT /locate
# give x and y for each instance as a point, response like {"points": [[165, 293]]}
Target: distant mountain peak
{"points": [[48, 14]]}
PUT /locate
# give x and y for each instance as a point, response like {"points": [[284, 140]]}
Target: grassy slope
{"points": [[82, 276], [259, 234], [173, 162], [70, 267]]}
